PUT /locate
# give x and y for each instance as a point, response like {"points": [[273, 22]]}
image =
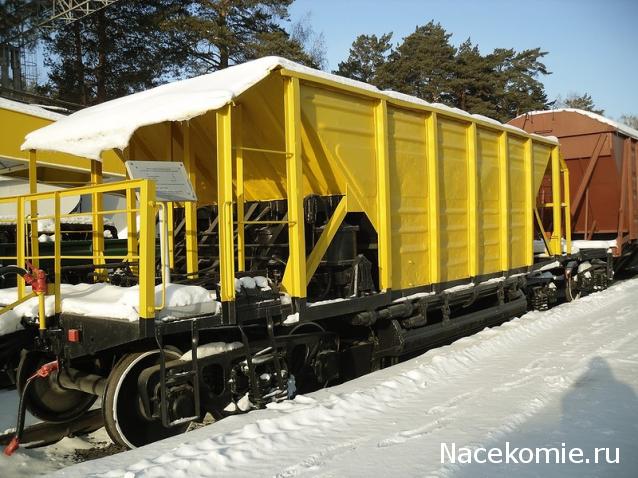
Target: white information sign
{"points": [[171, 180]]}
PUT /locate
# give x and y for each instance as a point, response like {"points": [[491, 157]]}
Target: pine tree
{"points": [[422, 65], [501, 84], [115, 52], [473, 84], [367, 54], [580, 102], [277, 43], [519, 89], [132, 46], [17, 19], [219, 33]]}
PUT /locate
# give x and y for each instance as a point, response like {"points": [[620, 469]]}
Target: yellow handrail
{"points": [[100, 188], [164, 241], [27, 247]]}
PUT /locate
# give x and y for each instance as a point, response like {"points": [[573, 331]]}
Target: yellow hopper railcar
{"points": [[335, 229]]}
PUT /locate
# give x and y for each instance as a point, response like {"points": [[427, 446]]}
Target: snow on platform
{"points": [[577, 245], [568, 376], [9, 322], [109, 301]]}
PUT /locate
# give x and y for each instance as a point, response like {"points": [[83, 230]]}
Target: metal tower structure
{"points": [[18, 65], [69, 11]]}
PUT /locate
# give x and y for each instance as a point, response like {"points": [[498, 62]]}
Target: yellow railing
{"points": [[27, 245], [560, 205]]}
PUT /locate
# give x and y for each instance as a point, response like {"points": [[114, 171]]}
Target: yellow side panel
{"points": [[517, 233], [165, 142], [489, 259], [338, 144], [541, 155], [263, 128], [409, 198], [204, 150], [16, 125], [453, 200], [339, 147]]}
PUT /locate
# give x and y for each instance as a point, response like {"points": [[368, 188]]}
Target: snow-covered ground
{"points": [[565, 378]]}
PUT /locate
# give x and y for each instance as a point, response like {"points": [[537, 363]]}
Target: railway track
{"points": [[43, 434]]}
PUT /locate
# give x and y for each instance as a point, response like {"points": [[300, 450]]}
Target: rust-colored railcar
{"points": [[602, 158]]}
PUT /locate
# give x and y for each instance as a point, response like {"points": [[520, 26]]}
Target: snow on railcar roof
{"points": [[623, 128], [110, 125], [33, 110]]}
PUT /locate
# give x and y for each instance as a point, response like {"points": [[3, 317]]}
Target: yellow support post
{"points": [[384, 218], [239, 190], [131, 215], [98, 218], [57, 248], [472, 176], [539, 223], [33, 211], [169, 206], [168, 151], [147, 250], [567, 206], [503, 166], [530, 201], [42, 315], [432, 158], [225, 203], [171, 234], [20, 243], [294, 279], [190, 208], [131, 224], [556, 203], [325, 239]]}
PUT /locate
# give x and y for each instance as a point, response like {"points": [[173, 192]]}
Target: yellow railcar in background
{"points": [[336, 229], [20, 174], [19, 119]]}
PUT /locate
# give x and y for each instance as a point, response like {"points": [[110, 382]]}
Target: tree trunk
{"points": [[224, 55], [222, 31], [79, 64], [102, 41]]}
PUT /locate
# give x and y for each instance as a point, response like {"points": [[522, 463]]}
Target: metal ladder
{"points": [[172, 379]]}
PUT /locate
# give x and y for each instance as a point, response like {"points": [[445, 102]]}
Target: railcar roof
{"points": [[110, 125], [33, 110], [623, 128]]}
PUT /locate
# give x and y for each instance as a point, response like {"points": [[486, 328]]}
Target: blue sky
{"points": [[592, 44]]}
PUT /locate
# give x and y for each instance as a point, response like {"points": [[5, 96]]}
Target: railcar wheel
{"points": [[572, 292], [45, 398], [124, 419]]}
